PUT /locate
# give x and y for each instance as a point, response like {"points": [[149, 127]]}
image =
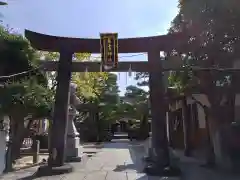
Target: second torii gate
{"points": [[68, 46]]}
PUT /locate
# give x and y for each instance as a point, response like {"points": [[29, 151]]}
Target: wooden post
{"points": [[60, 115], [36, 149], [158, 111]]}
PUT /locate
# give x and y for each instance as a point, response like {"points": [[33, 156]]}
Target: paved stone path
{"points": [[119, 160]]}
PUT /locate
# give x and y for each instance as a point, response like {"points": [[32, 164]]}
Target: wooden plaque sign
{"points": [[109, 50]]}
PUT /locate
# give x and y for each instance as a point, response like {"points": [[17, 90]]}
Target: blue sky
{"points": [[87, 18]]}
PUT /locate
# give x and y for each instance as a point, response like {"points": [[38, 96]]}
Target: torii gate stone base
{"points": [[67, 47]]}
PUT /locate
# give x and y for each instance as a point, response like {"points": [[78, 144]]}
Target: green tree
{"points": [[136, 94], [90, 84], [109, 92], [142, 78], [108, 103], [2, 3], [132, 103], [77, 77], [23, 101], [24, 91], [100, 90], [138, 98], [211, 32]]}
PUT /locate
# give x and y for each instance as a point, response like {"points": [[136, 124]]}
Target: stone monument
{"points": [[74, 151]]}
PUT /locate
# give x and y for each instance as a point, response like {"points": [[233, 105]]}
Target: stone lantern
{"points": [[74, 151]]}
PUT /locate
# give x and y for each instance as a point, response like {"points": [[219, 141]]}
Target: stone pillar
{"points": [[58, 134], [159, 152], [74, 152]]}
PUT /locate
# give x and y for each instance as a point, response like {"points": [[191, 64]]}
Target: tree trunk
{"points": [[8, 156], [210, 156], [18, 134], [216, 127], [170, 128], [230, 115], [232, 96], [99, 129], [218, 115], [186, 127]]}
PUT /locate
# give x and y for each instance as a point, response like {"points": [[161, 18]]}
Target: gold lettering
{"points": [[109, 47], [109, 44]]}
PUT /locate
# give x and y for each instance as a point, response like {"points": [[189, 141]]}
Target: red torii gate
{"points": [[68, 46]]}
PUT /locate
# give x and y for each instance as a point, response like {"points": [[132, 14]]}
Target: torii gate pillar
{"points": [[58, 133], [159, 145]]}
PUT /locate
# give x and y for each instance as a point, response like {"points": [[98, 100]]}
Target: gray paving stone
{"points": [[96, 175], [73, 176], [116, 161], [116, 176]]}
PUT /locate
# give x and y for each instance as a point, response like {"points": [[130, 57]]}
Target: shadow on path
{"points": [[191, 169], [120, 168], [135, 163], [117, 144], [30, 177]]}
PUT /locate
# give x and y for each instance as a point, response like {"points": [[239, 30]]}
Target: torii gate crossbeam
{"points": [[139, 66]]}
